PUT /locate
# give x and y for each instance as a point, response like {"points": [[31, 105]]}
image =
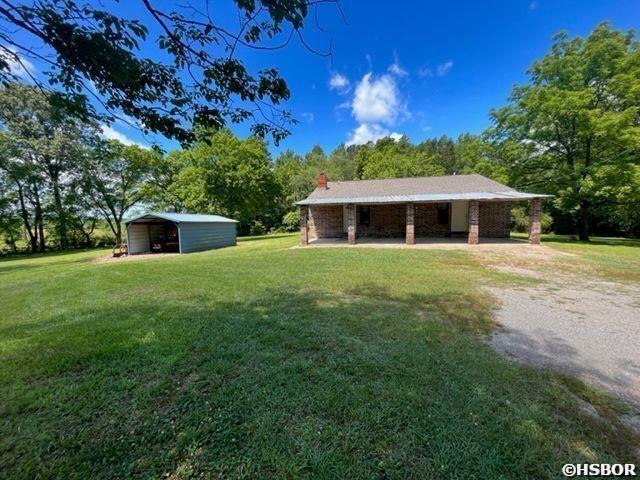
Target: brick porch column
{"points": [[535, 209], [411, 239], [474, 216], [304, 229], [351, 219], [304, 225]]}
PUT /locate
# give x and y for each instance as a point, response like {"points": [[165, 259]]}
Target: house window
{"points": [[443, 214], [365, 215]]}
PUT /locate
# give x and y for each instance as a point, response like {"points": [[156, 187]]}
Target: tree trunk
{"points": [[25, 219], [12, 243], [62, 222], [43, 243], [54, 178], [118, 233], [39, 224], [583, 222]]}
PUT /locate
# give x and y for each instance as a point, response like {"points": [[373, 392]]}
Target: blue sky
{"points": [[422, 69]]}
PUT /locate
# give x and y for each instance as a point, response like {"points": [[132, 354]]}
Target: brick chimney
{"points": [[321, 181]]}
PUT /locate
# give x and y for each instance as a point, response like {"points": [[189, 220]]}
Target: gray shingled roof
{"points": [[416, 189]]}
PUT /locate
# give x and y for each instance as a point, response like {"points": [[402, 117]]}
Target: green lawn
{"points": [[611, 258], [265, 361]]}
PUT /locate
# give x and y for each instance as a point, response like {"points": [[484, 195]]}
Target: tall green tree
{"points": [[46, 137], [288, 174], [388, 158], [113, 180], [10, 222], [475, 154], [223, 175], [25, 184], [577, 121]]}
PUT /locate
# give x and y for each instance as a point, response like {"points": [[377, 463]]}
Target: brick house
{"points": [[470, 206]]}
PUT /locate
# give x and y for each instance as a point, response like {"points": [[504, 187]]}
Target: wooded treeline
{"points": [[573, 131]]}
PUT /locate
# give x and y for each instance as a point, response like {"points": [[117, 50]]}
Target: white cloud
{"points": [[425, 72], [339, 82], [377, 105], [377, 100], [18, 65], [396, 69], [308, 116], [370, 133], [111, 134], [444, 68]]}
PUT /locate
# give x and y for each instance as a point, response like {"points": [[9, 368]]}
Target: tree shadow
{"points": [[292, 382], [599, 241], [264, 237], [545, 349], [22, 262]]}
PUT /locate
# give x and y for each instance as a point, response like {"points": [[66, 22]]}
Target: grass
{"points": [[612, 258], [266, 361]]}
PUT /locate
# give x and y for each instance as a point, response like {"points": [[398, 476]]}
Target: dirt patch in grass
{"points": [[129, 258]]}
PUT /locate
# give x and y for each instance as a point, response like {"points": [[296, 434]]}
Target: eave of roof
{"points": [[435, 197], [183, 218]]}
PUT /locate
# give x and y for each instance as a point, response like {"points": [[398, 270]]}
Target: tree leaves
{"points": [[575, 119], [98, 54]]}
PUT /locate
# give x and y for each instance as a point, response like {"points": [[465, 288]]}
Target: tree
{"points": [[474, 154], [577, 122], [223, 175], [341, 164], [287, 173], [388, 158], [113, 180], [9, 220], [46, 141], [24, 187], [91, 51], [240, 178]]}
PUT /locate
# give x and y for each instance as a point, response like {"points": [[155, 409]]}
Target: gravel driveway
{"points": [[583, 326]]}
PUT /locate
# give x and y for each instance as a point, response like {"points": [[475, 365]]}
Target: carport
{"points": [[160, 232]]}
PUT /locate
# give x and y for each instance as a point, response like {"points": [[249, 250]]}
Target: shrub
{"points": [[291, 221], [257, 228], [520, 219]]}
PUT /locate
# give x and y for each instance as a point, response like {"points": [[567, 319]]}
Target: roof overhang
{"points": [[435, 197], [152, 217], [146, 218]]}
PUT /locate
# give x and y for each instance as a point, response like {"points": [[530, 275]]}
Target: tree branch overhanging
{"points": [[93, 45]]}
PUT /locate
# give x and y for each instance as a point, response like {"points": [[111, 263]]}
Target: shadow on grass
{"points": [[265, 237], [599, 241], [287, 384], [547, 350], [22, 262]]}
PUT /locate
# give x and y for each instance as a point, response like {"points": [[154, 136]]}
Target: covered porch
{"points": [[419, 224], [421, 243]]}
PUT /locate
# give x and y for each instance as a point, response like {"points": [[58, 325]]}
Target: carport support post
{"points": [[474, 217], [304, 230], [411, 238], [535, 209], [351, 225]]}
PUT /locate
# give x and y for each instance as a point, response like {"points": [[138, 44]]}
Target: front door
{"points": [[460, 216]]}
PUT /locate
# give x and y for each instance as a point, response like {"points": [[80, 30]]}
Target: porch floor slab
{"points": [[421, 243]]}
